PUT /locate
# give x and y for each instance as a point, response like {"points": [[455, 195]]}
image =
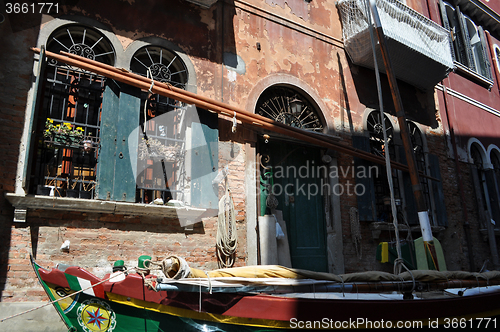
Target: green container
{"points": [[119, 265], [142, 261]]}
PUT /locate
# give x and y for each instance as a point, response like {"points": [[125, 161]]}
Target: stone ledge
{"points": [[186, 215]]}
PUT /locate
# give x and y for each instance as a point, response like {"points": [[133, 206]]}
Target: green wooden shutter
{"points": [[120, 116], [410, 203], [35, 106], [127, 120], [467, 47], [366, 203], [437, 190], [204, 160], [107, 150], [447, 25], [484, 51]]}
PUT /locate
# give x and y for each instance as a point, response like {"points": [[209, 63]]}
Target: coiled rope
{"points": [[227, 239]]}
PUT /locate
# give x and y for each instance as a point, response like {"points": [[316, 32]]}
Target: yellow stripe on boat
{"points": [[180, 312]]}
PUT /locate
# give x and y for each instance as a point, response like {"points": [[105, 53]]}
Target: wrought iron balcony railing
{"points": [[419, 48]]}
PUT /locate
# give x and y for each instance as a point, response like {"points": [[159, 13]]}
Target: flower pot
{"points": [[73, 193], [85, 194], [87, 146], [43, 190], [59, 192]]}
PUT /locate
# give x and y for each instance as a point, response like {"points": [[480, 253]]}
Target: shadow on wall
{"points": [[418, 104], [345, 109], [208, 32], [17, 33]]}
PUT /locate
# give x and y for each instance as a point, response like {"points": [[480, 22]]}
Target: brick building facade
{"points": [[247, 54]]}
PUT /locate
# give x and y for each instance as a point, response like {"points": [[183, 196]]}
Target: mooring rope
{"points": [[227, 239], [65, 297]]}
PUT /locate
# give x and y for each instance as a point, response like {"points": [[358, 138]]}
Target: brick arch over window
{"points": [[48, 29], [298, 85], [135, 46]]}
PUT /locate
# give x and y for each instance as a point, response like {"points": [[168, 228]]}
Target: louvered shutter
{"points": [[447, 25], [467, 47], [484, 51]]}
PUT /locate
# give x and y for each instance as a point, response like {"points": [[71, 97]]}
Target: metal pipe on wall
{"points": [[216, 106]]}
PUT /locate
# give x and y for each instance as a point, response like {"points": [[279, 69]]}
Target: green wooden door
{"points": [[297, 187]]}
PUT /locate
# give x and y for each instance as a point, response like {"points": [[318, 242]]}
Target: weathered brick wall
{"points": [[96, 241], [16, 36]]}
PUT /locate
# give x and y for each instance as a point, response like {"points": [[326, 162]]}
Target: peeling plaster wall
{"points": [[237, 49]]}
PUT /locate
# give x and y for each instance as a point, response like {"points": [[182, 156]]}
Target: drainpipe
{"points": [[466, 224]]}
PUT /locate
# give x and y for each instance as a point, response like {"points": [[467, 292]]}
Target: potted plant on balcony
{"points": [[71, 191], [153, 148], [87, 188], [62, 134]]}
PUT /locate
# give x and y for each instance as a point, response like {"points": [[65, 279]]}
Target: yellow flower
{"points": [[79, 128], [50, 120]]}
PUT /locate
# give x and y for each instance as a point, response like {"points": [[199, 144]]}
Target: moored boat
{"points": [[174, 297]]}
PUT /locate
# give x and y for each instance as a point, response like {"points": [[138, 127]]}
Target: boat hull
{"points": [[128, 305]]}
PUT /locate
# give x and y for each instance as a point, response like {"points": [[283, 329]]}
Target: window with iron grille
{"points": [[374, 204], [69, 119], [98, 138], [161, 158]]}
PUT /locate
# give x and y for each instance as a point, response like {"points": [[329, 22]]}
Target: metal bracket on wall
{"points": [[20, 215]]}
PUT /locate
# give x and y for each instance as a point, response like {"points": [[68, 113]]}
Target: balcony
{"points": [[419, 48]]}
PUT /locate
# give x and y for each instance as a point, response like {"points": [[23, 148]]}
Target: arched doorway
{"points": [[292, 176]]}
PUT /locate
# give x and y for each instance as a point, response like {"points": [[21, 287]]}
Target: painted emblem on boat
{"points": [[96, 316]]}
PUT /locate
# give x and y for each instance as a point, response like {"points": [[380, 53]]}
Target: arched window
{"points": [[69, 121], [378, 147], [162, 128], [495, 161], [289, 107], [497, 56], [479, 178]]}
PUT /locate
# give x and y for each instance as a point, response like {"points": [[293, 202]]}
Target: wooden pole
{"points": [[423, 215]]}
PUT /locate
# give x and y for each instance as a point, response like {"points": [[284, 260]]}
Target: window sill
{"points": [[187, 216], [472, 75]]}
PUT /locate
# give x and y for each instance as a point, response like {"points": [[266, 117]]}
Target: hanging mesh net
{"points": [[419, 48]]}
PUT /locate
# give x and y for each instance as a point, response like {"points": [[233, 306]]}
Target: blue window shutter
{"points": [[107, 150], [35, 106], [204, 160], [127, 120], [366, 203], [437, 191], [120, 116]]}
